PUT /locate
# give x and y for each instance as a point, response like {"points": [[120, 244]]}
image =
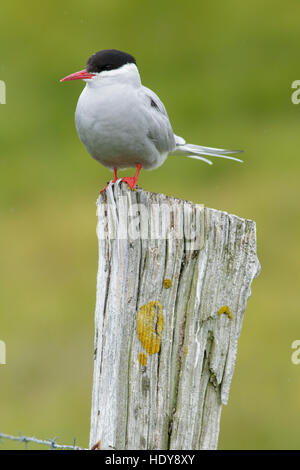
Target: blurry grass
{"points": [[224, 75]]}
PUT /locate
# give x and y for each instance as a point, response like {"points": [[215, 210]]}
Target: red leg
{"points": [[132, 180], [112, 181], [115, 175]]}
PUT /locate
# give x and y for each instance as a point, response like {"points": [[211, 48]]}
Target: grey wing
{"points": [[160, 131]]}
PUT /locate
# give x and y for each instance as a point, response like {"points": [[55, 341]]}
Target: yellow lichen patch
{"points": [[167, 283], [186, 350], [225, 309], [150, 324], [142, 359]]}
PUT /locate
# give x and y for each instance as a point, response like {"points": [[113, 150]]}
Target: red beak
{"points": [[83, 74]]}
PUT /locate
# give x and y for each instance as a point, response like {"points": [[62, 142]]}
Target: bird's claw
{"points": [[102, 190], [130, 180], [108, 182]]}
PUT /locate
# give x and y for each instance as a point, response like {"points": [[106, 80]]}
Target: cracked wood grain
{"points": [[173, 282]]}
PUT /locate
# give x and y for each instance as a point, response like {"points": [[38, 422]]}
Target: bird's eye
{"points": [[107, 67]]}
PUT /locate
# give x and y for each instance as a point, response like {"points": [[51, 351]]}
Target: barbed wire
{"points": [[51, 443]]}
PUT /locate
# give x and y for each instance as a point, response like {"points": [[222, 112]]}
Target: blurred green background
{"points": [[224, 71]]}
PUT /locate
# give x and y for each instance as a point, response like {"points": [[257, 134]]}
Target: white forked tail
{"points": [[195, 151]]}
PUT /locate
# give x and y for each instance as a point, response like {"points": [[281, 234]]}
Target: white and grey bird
{"points": [[122, 123]]}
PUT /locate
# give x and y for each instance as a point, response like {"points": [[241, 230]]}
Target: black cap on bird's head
{"points": [[108, 59]]}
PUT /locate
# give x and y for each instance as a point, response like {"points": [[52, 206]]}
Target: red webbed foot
{"points": [[132, 180]]}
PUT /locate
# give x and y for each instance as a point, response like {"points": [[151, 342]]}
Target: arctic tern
{"points": [[123, 124]]}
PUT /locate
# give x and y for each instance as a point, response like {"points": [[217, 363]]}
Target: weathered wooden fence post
{"points": [[173, 282]]}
